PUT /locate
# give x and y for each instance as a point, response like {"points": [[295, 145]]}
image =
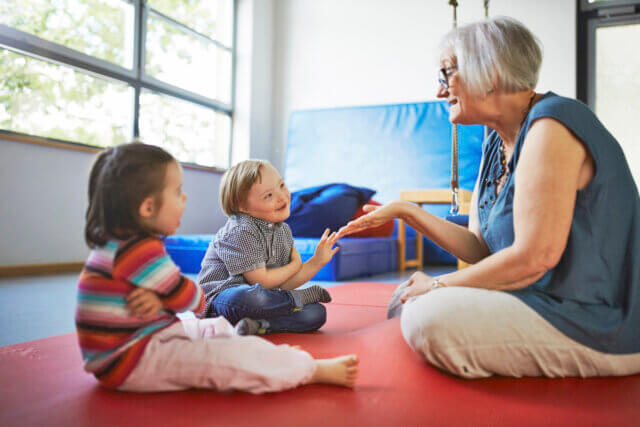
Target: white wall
{"points": [[334, 53], [43, 198], [253, 116]]}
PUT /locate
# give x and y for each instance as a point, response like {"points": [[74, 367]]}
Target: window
{"points": [[607, 73], [103, 72]]}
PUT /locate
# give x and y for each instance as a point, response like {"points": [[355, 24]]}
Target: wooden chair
{"points": [[421, 197]]}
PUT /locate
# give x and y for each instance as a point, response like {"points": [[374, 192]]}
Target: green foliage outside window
{"points": [[38, 97]]}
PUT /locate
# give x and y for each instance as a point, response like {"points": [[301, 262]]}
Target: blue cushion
{"points": [[188, 250], [327, 206]]}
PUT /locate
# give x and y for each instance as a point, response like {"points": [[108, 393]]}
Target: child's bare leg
{"points": [[342, 370]]}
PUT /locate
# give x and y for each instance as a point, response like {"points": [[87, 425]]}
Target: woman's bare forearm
{"points": [[458, 240], [508, 269]]}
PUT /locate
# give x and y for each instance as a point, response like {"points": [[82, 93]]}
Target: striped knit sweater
{"points": [[111, 339]]}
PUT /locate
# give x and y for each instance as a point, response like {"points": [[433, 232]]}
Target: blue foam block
{"points": [[387, 148], [187, 250]]}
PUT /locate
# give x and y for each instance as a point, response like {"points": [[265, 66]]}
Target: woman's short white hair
{"points": [[495, 54]]}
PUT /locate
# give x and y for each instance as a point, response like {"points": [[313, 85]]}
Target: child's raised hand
{"points": [[325, 250], [143, 303]]}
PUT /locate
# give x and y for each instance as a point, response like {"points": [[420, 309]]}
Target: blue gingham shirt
{"points": [[243, 244]]}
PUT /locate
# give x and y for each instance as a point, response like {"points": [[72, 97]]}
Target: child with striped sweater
{"points": [[130, 291]]}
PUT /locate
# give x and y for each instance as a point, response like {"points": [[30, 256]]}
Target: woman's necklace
{"points": [[504, 171]]}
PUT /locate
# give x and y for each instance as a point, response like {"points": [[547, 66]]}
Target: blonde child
{"points": [[130, 290], [251, 270]]}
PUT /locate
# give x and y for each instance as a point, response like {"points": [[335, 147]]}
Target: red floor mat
{"points": [[363, 294], [42, 383]]}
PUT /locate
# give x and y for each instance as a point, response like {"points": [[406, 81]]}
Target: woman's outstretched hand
{"points": [[376, 216]]}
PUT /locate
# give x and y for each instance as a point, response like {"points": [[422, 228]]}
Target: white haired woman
{"points": [[554, 228]]}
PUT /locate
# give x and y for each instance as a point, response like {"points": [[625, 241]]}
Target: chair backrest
{"points": [[386, 148]]}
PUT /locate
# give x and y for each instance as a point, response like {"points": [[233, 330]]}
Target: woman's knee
{"points": [[422, 324], [433, 329]]}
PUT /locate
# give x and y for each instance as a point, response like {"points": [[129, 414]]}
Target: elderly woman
{"points": [[554, 228]]}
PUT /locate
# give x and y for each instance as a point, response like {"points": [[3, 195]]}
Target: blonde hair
{"points": [[499, 51], [236, 183]]}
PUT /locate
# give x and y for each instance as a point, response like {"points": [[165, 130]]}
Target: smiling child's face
{"points": [[269, 198]]}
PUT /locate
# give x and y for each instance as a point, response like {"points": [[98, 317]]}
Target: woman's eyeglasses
{"points": [[445, 73]]}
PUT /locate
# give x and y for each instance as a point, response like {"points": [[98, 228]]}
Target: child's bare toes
{"points": [[350, 360]]}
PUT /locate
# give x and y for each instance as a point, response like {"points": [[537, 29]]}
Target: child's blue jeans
{"points": [[276, 306]]}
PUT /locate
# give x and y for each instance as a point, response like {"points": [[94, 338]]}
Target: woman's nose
{"points": [[443, 91]]}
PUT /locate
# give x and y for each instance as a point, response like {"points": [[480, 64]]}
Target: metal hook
{"points": [[455, 206]]}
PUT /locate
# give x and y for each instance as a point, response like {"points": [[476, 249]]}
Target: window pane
{"points": [[43, 99], [100, 28], [213, 18], [191, 133], [184, 60], [618, 87]]}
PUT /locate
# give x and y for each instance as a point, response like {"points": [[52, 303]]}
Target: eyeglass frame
{"points": [[444, 74]]}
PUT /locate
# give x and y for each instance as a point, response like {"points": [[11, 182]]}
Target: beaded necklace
{"points": [[504, 172]]}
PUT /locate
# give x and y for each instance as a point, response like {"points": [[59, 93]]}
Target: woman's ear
{"points": [[147, 208]]}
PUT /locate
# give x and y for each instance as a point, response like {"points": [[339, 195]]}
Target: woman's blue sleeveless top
{"points": [[593, 294]]}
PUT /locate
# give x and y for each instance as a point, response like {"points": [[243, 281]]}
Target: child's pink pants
{"points": [[206, 353]]}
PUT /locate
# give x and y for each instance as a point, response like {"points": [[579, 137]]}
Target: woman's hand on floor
{"points": [[418, 284]]}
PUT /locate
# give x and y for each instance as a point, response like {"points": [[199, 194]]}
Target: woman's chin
{"points": [[458, 119], [454, 116]]}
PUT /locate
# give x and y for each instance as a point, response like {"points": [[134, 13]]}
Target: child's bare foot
{"points": [[341, 370]]}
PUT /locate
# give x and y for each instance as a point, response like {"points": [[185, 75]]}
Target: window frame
{"points": [[30, 45], [592, 16]]}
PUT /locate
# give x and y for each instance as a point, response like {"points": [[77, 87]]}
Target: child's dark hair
{"points": [[121, 179]]}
